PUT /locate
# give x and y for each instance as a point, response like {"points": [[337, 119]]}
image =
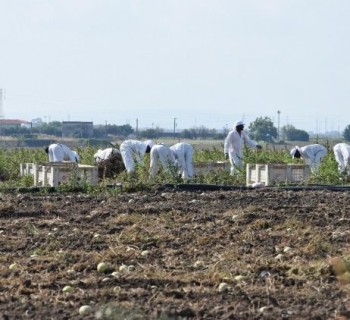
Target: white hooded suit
{"points": [[312, 154], [183, 153], [234, 147], [105, 154], [134, 150], [59, 152], [342, 156], [160, 155]]}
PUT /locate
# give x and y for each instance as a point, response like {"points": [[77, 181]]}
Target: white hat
{"points": [[150, 143], [238, 123], [293, 151]]}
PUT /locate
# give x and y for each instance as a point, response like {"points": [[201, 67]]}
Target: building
{"points": [[14, 123], [77, 129]]}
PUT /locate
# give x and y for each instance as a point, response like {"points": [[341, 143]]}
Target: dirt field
{"points": [[243, 254]]}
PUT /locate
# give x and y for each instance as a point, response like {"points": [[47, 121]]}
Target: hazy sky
{"points": [[203, 62]]}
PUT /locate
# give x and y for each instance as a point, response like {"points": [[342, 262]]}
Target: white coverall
{"points": [[342, 156], [133, 150], [59, 152], [160, 154], [233, 146], [183, 153], [312, 154], [105, 154]]}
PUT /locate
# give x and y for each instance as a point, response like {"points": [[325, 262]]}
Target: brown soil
{"points": [[282, 254]]}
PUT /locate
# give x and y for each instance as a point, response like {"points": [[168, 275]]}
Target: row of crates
{"points": [[264, 174], [55, 173]]}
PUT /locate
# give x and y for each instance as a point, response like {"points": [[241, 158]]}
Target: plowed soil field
{"points": [[167, 254]]}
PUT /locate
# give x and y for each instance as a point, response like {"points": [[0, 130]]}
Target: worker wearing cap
{"points": [[312, 154], [342, 156], [160, 155], [59, 152], [183, 153], [234, 143], [134, 151]]}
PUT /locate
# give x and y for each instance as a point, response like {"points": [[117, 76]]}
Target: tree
{"points": [[263, 129], [290, 133], [346, 133], [151, 133]]}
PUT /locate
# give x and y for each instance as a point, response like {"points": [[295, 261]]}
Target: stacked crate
{"points": [[53, 174], [272, 174]]}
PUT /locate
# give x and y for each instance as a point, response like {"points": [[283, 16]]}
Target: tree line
{"points": [[261, 129]]}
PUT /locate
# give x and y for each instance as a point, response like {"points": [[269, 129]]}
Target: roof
{"points": [[13, 121]]}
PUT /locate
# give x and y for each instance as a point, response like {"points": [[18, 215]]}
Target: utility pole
{"points": [[278, 125], [137, 128], [174, 128]]}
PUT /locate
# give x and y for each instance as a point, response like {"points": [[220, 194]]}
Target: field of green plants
{"points": [[10, 160]]}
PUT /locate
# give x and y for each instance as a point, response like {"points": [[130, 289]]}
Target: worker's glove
{"points": [[226, 156], [258, 146]]}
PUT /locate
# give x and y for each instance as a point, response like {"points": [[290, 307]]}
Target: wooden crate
{"points": [[271, 174], [206, 167], [55, 173]]}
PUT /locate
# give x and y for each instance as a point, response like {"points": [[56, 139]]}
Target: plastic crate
{"points": [[26, 168], [206, 167], [55, 173], [271, 174]]}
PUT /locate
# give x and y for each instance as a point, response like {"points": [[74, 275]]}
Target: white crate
{"points": [[271, 174], [210, 166], [26, 168], [53, 174]]}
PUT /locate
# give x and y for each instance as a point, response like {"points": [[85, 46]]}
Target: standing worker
{"points": [[161, 154], [183, 153], [234, 143], [134, 150], [312, 153], [59, 152], [342, 156]]}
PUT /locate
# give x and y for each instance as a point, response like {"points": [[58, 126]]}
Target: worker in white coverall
{"points": [[234, 146], [161, 155], [105, 154], [59, 152], [342, 156], [183, 153], [134, 151], [312, 154]]}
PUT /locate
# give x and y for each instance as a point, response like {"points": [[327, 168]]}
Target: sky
{"points": [[188, 63]]}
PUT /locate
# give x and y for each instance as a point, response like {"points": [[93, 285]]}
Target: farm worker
{"points": [[134, 150], [312, 153], [183, 153], [59, 152], [342, 156], [234, 143], [160, 154], [105, 154]]}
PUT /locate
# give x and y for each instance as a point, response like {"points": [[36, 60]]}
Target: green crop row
{"points": [[10, 160]]}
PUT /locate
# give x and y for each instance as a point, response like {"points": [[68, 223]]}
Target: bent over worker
{"points": [[234, 144], [134, 151], [312, 154], [59, 152], [183, 153], [342, 156], [161, 155], [105, 154]]}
